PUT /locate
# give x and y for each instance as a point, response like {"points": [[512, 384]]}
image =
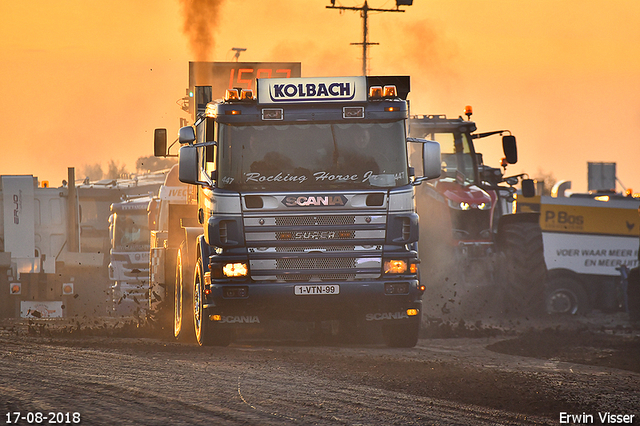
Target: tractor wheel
{"points": [[633, 294], [183, 312], [566, 296], [524, 271]]}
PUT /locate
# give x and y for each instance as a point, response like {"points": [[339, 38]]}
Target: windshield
{"points": [[131, 232], [312, 156], [457, 156]]}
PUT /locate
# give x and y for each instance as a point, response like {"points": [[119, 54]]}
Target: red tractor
{"points": [[477, 245]]}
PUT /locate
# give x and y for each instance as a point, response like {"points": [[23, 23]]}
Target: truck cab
{"points": [[129, 256], [305, 209]]}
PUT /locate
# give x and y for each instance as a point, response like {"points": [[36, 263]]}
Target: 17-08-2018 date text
{"points": [[37, 418]]}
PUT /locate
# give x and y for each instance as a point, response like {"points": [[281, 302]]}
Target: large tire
{"points": [[161, 314], [633, 294], [207, 334], [565, 296], [183, 311], [524, 271], [403, 335]]}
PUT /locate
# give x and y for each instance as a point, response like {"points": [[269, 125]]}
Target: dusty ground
{"points": [[531, 368]]}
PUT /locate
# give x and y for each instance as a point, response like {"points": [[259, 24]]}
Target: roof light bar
{"points": [[379, 92], [232, 95], [246, 95], [375, 92], [390, 92]]}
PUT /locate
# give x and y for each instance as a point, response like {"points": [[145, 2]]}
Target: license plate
{"points": [[308, 290]]}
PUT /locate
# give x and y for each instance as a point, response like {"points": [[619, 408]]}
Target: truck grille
{"points": [[306, 249], [322, 277], [314, 235], [314, 247], [330, 220], [317, 263]]}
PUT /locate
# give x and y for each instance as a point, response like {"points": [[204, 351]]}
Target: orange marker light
{"points": [[231, 95], [246, 95], [375, 92], [390, 92]]}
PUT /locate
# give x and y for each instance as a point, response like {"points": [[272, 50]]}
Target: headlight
{"points": [[463, 205], [395, 267], [235, 270]]}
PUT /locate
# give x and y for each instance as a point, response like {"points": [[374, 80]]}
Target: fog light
{"points": [[395, 267], [235, 270], [396, 288], [16, 288], [412, 312], [235, 292]]}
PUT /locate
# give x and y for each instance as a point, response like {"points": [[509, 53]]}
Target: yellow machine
{"points": [[587, 238]]}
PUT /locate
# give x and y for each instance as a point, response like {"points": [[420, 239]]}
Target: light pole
{"points": [[238, 50], [364, 12]]}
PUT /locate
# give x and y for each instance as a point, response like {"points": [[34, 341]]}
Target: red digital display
{"points": [[244, 77], [228, 75]]}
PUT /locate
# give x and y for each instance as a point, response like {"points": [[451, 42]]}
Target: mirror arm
{"points": [[419, 180], [484, 135], [169, 149]]}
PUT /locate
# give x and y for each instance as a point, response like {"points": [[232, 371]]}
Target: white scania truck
{"points": [[304, 210]]}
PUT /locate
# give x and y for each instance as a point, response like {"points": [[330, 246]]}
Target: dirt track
{"points": [[141, 380]]}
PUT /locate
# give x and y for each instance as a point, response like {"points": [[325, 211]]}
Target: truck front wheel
{"points": [[402, 335], [207, 334]]}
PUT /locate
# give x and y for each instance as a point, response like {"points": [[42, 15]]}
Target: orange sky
{"points": [[87, 81]]}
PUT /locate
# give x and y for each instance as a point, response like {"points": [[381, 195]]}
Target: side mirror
{"points": [[186, 135], [431, 160], [160, 142], [528, 188], [188, 164], [510, 149]]}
